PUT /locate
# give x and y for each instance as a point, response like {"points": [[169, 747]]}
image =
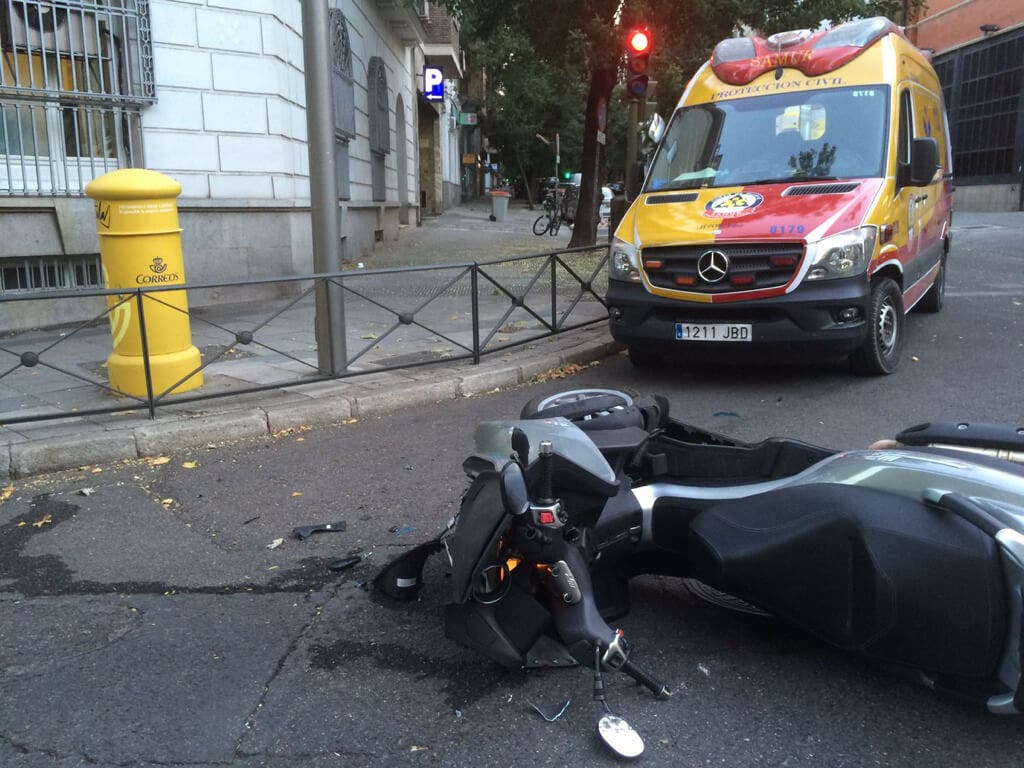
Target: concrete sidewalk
{"points": [[70, 378]]}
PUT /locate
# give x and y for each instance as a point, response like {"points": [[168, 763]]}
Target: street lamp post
{"points": [[323, 192], [557, 148]]}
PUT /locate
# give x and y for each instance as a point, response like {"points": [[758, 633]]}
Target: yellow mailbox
{"points": [[140, 246]]}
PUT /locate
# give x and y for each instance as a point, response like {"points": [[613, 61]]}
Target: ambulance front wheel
{"points": [[880, 354]]}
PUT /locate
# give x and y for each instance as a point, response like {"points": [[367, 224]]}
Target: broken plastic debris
{"points": [[418, 748], [704, 670], [731, 414], [303, 532], [344, 562], [550, 718], [402, 530], [86, 491], [275, 544]]}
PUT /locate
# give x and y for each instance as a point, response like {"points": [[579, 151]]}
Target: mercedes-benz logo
{"points": [[712, 266]]}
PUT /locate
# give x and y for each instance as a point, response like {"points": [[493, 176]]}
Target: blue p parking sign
{"points": [[433, 83]]}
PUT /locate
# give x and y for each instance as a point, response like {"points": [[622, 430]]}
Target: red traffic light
{"points": [[639, 41]]}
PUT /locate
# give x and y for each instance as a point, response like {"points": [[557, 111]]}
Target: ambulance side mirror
{"points": [[924, 161], [654, 129]]}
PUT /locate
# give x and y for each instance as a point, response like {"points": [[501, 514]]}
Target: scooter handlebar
{"points": [[582, 629]]}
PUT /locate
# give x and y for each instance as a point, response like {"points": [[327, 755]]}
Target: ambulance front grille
{"points": [[752, 266]]}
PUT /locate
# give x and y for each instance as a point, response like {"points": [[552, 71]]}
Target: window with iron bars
{"points": [[983, 85], [52, 273], [73, 76]]}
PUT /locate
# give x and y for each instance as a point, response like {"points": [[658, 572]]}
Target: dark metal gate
{"points": [[983, 85]]}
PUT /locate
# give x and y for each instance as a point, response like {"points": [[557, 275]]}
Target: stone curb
{"points": [[5, 462], [76, 450], [323, 410], [352, 398], [167, 437]]}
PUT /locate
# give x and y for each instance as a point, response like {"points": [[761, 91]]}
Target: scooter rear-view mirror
{"points": [[513, 489]]}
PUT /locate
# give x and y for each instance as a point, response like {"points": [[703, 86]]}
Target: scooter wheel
{"points": [[577, 404]]}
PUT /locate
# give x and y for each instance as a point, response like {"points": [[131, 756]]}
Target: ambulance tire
{"points": [[934, 299], [880, 354]]}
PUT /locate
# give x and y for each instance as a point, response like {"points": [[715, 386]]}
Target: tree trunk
{"points": [[585, 229], [527, 181]]}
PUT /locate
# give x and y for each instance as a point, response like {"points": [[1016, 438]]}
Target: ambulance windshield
{"points": [[839, 133]]}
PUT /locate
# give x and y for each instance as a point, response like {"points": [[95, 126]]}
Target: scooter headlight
{"points": [[844, 255], [622, 263]]}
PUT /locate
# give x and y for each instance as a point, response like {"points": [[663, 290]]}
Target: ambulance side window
{"points": [[906, 131]]}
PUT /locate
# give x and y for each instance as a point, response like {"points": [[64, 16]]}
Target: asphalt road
{"points": [[144, 621]]}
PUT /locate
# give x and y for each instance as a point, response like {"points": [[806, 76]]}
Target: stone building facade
{"points": [[211, 93]]}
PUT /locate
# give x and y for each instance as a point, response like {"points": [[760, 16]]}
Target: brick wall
{"points": [[947, 23]]}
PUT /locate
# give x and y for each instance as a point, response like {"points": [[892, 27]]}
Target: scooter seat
{"points": [[863, 569]]}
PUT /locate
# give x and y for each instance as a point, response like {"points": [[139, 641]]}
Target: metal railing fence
{"points": [[264, 339]]}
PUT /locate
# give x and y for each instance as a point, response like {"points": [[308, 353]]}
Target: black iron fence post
{"points": [[150, 400], [474, 288], [554, 292]]}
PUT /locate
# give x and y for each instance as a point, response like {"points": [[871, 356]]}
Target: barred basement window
{"points": [[51, 273], [73, 76]]}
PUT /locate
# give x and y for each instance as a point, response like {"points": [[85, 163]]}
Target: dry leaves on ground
{"points": [[562, 372]]}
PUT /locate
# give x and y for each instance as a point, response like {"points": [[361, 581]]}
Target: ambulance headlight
{"points": [[844, 255], [622, 263]]}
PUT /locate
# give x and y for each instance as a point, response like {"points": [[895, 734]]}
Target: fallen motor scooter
{"points": [[911, 555]]}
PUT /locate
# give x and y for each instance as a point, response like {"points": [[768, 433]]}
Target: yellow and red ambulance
{"points": [[799, 201]]}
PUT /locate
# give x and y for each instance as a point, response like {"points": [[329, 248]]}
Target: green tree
{"points": [[552, 65]]}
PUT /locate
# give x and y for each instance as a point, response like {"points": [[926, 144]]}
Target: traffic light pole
{"points": [[632, 121]]}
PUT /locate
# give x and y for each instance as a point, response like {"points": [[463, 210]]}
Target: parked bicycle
{"points": [[550, 221]]}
